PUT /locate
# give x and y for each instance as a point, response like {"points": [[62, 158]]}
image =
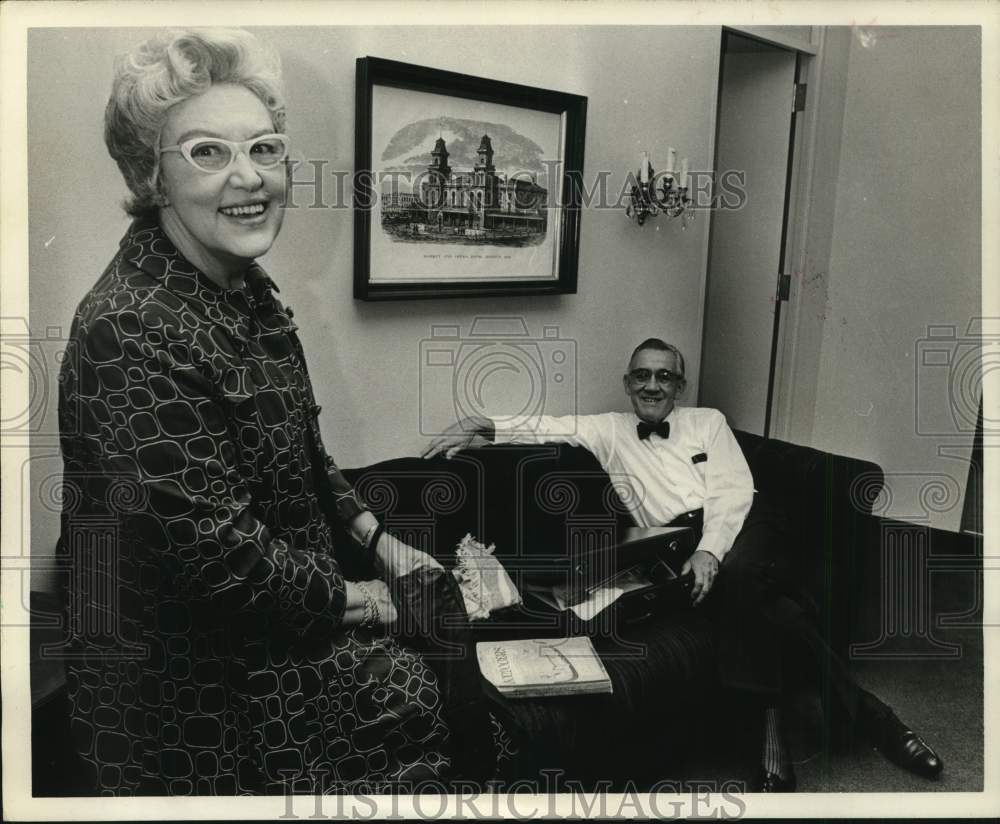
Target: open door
{"points": [[754, 144]]}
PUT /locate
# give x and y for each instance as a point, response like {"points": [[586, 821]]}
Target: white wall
{"points": [[364, 358], [904, 254]]}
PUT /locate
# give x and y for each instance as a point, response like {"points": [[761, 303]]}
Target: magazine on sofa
{"points": [[536, 667]]}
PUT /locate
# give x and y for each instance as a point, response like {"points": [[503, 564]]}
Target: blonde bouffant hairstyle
{"points": [[166, 69]]}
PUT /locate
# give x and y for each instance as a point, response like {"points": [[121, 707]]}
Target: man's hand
{"points": [[400, 559], [705, 567], [473, 431]]}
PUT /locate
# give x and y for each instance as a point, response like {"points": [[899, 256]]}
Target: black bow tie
{"points": [[646, 429]]}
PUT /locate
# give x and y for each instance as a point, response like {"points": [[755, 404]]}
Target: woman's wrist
{"points": [[362, 527], [367, 542], [372, 614], [374, 539], [383, 548]]}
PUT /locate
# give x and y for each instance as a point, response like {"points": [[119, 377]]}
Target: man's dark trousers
{"points": [[766, 626]]}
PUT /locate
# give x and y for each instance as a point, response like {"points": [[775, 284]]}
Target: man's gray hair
{"points": [[660, 346], [167, 69]]}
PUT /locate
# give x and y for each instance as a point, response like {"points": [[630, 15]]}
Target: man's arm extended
{"points": [[478, 430], [474, 430]]}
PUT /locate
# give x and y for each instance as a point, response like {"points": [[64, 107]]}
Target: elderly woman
{"points": [[219, 647]]}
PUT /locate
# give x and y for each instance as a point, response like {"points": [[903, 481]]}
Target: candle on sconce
{"points": [[668, 196]]}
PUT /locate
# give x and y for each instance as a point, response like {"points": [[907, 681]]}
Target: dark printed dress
{"points": [[205, 597]]}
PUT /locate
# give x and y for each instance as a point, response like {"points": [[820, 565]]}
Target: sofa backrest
{"points": [[828, 499], [539, 503], [801, 474]]}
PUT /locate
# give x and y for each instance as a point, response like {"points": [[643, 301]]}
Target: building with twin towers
{"points": [[468, 205]]}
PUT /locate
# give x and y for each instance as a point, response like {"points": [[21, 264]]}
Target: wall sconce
{"points": [[671, 199]]}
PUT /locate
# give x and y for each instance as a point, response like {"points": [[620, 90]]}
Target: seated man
{"points": [[685, 467]]}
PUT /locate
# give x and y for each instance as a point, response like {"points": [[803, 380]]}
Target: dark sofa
{"points": [[536, 503], [539, 504]]}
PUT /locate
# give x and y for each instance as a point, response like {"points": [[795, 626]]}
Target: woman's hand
{"points": [[384, 608], [387, 615], [401, 559], [395, 557], [472, 431]]}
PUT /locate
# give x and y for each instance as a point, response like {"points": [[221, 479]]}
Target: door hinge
{"points": [[799, 97], [784, 287]]}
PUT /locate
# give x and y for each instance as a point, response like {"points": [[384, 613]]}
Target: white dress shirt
{"points": [[657, 478]]}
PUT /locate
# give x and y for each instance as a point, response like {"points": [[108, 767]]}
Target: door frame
{"points": [[795, 229], [796, 243]]}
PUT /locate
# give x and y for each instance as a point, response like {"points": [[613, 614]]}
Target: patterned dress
{"points": [[205, 599]]}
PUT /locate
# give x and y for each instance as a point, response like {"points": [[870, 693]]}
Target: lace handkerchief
{"points": [[485, 584]]}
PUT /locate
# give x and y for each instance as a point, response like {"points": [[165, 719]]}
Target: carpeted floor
{"points": [[941, 698]]}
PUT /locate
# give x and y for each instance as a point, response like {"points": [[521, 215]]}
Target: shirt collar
{"points": [[671, 417], [147, 247]]}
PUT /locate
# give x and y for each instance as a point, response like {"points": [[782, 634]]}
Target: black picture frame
{"points": [[408, 220]]}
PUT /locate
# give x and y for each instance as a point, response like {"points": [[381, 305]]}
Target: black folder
{"points": [[658, 551]]}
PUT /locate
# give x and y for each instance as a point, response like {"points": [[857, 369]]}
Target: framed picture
{"points": [[464, 186]]}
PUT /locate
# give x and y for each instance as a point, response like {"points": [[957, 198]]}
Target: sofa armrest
{"points": [[828, 500]]}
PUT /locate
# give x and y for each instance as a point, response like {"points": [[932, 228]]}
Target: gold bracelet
{"points": [[373, 539]]}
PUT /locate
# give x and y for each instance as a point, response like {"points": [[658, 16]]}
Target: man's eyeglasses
{"points": [[640, 377], [214, 154]]}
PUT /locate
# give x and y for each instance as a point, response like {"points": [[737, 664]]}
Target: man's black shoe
{"points": [[902, 746], [769, 782]]}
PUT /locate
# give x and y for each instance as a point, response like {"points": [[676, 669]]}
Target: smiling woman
{"points": [[218, 645], [222, 207]]}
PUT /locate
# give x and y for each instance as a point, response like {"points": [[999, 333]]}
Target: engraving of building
{"points": [[468, 205]]}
